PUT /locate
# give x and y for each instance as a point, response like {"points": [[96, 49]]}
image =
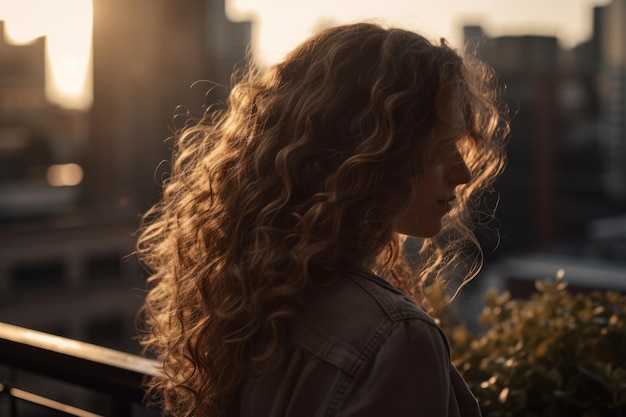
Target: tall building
{"points": [[68, 274], [22, 78], [152, 57], [527, 68], [34, 135], [24, 151], [559, 205], [568, 131], [613, 95]]}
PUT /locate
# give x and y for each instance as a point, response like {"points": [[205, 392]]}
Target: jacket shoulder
{"points": [[344, 320], [347, 329]]}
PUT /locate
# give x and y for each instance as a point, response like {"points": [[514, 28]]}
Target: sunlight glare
{"points": [[21, 26], [69, 49], [64, 175]]}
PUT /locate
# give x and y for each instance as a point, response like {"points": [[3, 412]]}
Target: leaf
{"points": [[546, 356], [504, 394], [595, 385]]}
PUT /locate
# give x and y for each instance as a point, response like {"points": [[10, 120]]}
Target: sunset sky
{"points": [[279, 25], [282, 24]]}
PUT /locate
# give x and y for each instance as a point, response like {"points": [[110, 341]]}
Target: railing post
{"points": [[5, 390], [12, 404]]}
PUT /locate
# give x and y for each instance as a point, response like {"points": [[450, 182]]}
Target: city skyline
{"points": [[278, 26]]}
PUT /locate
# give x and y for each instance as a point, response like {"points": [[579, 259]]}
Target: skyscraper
{"points": [[613, 95], [147, 56]]}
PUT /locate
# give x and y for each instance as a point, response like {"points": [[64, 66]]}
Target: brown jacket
{"points": [[361, 348]]}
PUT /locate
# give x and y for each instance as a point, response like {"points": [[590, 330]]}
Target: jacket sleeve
{"points": [[408, 376]]}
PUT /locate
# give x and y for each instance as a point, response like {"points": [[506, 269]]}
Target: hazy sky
{"points": [[282, 24], [279, 25]]}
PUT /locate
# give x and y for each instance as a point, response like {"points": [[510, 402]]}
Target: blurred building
{"points": [[528, 72], [65, 271], [151, 56], [61, 270], [69, 277], [34, 135], [22, 78], [612, 83], [564, 167], [563, 191]]}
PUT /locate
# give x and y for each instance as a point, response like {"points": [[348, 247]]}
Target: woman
{"points": [[278, 282]]}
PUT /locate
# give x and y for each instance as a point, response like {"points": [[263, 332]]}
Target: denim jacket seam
{"points": [[360, 362], [377, 292]]}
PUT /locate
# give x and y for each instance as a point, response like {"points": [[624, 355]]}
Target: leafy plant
{"points": [[555, 354]]}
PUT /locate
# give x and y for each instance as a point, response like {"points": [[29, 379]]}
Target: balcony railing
{"points": [[116, 375]]}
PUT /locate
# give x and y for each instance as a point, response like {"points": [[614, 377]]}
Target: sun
{"points": [[67, 25]]}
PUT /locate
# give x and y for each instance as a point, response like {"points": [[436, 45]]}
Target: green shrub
{"points": [[555, 354]]}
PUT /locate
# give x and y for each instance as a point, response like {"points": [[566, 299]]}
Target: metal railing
{"points": [[117, 375]]}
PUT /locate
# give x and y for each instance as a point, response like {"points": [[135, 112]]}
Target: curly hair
{"points": [[304, 170]]}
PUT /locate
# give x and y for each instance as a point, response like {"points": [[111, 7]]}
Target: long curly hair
{"points": [[304, 171]]}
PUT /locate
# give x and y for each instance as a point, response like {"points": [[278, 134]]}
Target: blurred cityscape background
{"points": [[73, 182]]}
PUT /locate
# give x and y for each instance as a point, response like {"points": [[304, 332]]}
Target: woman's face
{"points": [[433, 195]]}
